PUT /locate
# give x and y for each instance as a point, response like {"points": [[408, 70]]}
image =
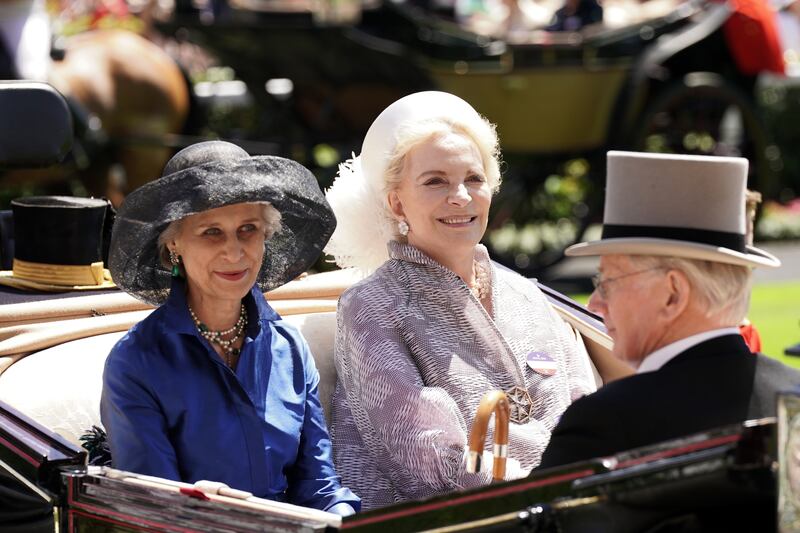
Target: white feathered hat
{"points": [[676, 205], [358, 195]]}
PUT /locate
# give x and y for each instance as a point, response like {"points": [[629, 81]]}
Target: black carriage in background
{"points": [[671, 77]]}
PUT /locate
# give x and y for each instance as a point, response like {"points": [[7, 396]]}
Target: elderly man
{"points": [[673, 284]]}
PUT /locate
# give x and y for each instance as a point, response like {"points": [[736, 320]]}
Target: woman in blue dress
{"points": [[214, 384]]}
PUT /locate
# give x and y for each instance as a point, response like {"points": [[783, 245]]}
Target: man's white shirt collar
{"points": [[663, 355]]}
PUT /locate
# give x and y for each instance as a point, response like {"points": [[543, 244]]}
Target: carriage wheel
{"points": [[705, 115]]}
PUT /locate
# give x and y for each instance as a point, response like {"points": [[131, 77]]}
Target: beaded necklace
{"points": [[216, 337], [480, 289]]}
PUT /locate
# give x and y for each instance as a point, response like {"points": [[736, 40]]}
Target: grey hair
{"points": [[270, 216], [410, 135], [723, 289]]}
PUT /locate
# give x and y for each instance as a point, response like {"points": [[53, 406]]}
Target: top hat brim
{"points": [[307, 220], [7, 279], [674, 248]]}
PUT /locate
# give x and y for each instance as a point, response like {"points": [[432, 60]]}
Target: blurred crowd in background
{"points": [[31, 31]]}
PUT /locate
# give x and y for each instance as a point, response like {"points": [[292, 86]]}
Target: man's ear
{"points": [[679, 294], [396, 206]]}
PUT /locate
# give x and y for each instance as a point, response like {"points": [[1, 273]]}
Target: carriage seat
{"points": [[60, 387]]}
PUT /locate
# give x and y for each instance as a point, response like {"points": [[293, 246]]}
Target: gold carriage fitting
{"points": [[58, 244]]}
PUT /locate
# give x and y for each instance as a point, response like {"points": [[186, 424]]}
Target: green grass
{"points": [[775, 311]]}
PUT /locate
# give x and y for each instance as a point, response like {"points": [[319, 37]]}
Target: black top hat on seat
{"points": [[58, 243]]}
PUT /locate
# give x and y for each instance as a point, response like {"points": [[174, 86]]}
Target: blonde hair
{"points": [[270, 216], [359, 194], [410, 135], [722, 288]]}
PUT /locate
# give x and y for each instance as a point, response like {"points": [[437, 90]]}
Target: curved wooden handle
{"points": [[497, 403]]}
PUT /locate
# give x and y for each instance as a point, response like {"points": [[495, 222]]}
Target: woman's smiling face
{"points": [[443, 195], [221, 250]]}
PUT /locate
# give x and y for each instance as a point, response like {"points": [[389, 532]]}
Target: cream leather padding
{"points": [[320, 289], [319, 330], [60, 387]]}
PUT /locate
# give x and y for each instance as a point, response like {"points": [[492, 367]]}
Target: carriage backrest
{"points": [[60, 387], [52, 353], [37, 125]]}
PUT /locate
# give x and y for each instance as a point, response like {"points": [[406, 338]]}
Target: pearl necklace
{"points": [[216, 337], [482, 286]]}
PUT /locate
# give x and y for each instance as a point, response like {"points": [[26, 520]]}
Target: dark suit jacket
{"points": [[714, 383]]}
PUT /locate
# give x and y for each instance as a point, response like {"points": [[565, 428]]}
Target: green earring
{"points": [[175, 259]]}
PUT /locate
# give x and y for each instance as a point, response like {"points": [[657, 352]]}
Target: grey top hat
{"points": [[676, 205], [206, 176]]}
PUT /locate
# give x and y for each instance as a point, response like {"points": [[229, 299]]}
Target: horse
{"points": [[129, 95]]}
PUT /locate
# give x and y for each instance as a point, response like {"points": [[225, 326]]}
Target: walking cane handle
{"points": [[497, 403]]}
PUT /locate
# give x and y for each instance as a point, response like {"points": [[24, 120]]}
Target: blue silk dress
{"points": [[173, 409]]}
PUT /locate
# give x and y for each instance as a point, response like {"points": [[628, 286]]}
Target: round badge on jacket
{"points": [[541, 363]]}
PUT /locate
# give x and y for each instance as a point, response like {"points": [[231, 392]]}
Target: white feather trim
{"points": [[362, 226]]}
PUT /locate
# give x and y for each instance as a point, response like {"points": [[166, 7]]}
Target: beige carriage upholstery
{"points": [[52, 356], [52, 366], [59, 387]]}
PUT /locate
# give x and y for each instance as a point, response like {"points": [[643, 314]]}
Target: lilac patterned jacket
{"points": [[415, 352]]}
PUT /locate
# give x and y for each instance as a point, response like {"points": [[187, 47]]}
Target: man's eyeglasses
{"points": [[600, 285]]}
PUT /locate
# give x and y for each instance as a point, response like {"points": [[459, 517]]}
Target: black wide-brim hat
{"points": [[216, 174]]}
